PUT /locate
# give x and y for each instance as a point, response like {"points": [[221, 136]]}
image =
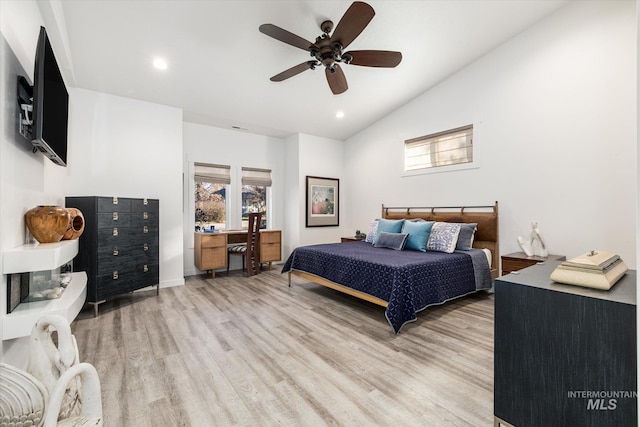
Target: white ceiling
{"points": [[220, 64]]}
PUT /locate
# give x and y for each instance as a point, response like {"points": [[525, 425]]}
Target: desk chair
{"points": [[249, 251]]}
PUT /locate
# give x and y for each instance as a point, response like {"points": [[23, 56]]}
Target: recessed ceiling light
{"points": [[160, 63], [340, 114]]}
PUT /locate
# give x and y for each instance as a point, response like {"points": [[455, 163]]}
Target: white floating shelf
{"points": [[19, 322], [39, 256]]}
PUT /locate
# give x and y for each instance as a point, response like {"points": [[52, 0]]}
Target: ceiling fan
{"points": [[328, 49]]}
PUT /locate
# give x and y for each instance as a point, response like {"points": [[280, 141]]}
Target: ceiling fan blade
{"points": [[292, 71], [285, 36], [375, 58], [354, 20], [337, 80]]}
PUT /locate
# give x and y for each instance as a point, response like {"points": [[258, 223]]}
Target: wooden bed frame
{"points": [[486, 237]]}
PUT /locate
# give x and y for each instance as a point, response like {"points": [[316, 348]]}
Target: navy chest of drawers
{"points": [[119, 249], [565, 355]]}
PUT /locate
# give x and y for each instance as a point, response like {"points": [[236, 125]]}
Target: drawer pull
{"points": [[115, 231], [115, 200], [145, 247], [115, 275], [116, 252], [145, 229], [115, 216], [145, 201], [145, 215], [145, 268]]}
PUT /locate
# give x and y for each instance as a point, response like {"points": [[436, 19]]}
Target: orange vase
{"points": [[47, 223], [75, 226]]}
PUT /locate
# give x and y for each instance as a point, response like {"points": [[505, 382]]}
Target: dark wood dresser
{"points": [[564, 355], [119, 248]]}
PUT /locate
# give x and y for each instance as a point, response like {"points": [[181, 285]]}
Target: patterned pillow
{"points": [[373, 230], [391, 240], [465, 238], [443, 237], [389, 226], [418, 234]]}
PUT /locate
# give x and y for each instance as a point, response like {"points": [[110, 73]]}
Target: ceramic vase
{"points": [[75, 226], [47, 223]]}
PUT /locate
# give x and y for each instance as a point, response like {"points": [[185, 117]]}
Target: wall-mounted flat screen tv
{"points": [[50, 104]]}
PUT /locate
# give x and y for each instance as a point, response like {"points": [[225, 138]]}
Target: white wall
{"points": [[292, 203], [308, 155], [26, 179], [127, 148], [325, 158], [555, 114], [208, 144]]}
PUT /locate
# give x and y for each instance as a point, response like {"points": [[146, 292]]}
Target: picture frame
{"points": [[322, 202]]}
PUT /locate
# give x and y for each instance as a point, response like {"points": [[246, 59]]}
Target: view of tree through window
{"points": [[254, 199], [210, 206]]}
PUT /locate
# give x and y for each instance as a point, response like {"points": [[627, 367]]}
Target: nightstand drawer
{"points": [[519, 260]]}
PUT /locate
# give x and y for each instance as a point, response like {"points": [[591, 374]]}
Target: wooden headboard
{"points": [[485, 216]]}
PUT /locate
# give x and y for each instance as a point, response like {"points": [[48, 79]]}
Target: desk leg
{"points": [[269, 265]]}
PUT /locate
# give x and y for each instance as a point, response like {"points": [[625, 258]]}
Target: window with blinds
{"points": [[211, 183], [451, 147], [255, 183], [219, 174]]}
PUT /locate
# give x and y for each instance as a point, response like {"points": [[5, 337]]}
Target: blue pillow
{"points": [[391, 240], [418, 234], [388, 226]]}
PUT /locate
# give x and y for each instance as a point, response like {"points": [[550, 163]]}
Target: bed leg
{"points": [[289, 274]]}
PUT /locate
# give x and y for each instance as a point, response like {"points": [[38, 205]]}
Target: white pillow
{"points": [[443, 237], [373, 230]]}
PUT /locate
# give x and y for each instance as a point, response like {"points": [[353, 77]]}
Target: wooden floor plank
{"points": [[238, 351]]}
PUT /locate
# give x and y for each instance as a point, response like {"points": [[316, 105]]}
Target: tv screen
{"points": [[50, 104]]}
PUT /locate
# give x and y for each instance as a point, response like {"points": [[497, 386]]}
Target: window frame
{"points": [[224, 180], [257, 177]]}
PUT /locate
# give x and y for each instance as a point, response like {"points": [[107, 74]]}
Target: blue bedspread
{"points": [[409, 281]]}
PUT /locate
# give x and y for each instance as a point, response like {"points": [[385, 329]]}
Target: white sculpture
{"points": [[535, 245], [525, 246], [47, 362], [537, 241]]}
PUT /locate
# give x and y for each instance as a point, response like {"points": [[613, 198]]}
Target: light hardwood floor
{"points": [[239, 351]]}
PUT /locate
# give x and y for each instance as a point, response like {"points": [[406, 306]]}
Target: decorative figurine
{"points": [[535, 245], [537, 241]]}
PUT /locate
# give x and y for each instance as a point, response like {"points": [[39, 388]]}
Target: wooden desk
{"points": [[210, 249]]}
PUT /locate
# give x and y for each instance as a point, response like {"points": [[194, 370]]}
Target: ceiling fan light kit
{"points": [[328, 49]]}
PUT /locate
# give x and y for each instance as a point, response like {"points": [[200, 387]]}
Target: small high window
{"points": [[451, 147]]}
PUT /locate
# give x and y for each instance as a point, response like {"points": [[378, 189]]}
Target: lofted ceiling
{"points": [[219, 64]]}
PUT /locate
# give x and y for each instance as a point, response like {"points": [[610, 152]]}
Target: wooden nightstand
{"points": [[519, 260], [350, 239]]}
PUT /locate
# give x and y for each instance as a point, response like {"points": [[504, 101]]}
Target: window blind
{"points": [[217, 174], [254, 176], [450, 147]]}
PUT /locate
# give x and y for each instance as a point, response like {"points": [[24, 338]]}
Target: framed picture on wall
{"points": [[323, 202]]}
